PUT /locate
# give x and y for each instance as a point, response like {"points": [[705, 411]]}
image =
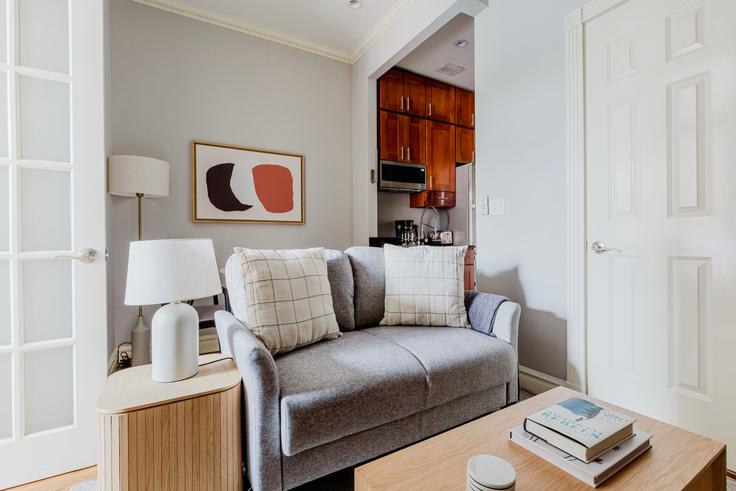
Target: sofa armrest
{"points": [[262, 438], [506, 323], [481, 307]]}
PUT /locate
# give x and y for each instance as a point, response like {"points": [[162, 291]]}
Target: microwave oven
{"points": [[401, 177]]}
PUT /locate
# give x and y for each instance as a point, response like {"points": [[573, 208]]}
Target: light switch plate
{"points": [[497, 206], [482, 204]]}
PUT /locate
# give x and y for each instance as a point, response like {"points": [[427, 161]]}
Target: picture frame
{"points": [[236, 184]]}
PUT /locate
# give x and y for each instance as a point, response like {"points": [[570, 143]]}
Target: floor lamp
{"points": [[140, 177]]}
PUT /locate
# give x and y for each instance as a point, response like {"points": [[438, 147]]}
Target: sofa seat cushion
{"points": [[458, 362], [343, 386]]}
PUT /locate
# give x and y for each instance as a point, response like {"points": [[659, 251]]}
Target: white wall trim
{"points": [[238, 25], [575, 22], [576, 257], [594, 8], [536, 382]]}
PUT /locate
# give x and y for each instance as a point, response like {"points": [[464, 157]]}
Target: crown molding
{"points": [[381, 26], [278, 37], [246, 28]]}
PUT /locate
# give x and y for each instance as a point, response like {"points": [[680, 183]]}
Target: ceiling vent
{"points": [[450, 69]]}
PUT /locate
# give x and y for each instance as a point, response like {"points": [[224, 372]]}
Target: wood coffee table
{"points": [[678, 459]]}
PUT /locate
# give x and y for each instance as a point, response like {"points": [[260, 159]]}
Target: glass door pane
{"points": [[45, 131], [44, 34], [47, 300], [48, 383], [46, 210], [5, 330]]}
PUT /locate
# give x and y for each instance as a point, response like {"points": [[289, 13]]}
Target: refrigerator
{"points": [[461, 218]]}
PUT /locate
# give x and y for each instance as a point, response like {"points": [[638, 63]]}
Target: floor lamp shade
{"points": [[130, 175], [163, 271]]}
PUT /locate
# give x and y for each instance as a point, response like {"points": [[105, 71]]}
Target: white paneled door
{"points": [[661, 211], [52, 185]]}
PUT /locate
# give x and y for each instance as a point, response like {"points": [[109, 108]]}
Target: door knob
{"points": [[600, 247], [85, 255]]}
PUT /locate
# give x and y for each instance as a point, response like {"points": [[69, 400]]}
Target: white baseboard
{"points": [[536, 382]]}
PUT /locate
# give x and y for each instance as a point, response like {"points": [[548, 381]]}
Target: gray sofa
{"points": [[337, 403]]}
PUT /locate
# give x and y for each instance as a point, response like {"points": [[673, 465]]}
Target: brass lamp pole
{"points": [[140, 233]]}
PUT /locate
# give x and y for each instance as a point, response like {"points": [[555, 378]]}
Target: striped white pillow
{"points": [[288, 297], [425, 286]]}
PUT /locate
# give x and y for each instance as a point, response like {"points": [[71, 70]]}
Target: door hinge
{"points": [[373, 176]]}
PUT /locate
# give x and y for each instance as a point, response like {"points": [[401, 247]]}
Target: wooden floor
{"points": [[60, 483]]}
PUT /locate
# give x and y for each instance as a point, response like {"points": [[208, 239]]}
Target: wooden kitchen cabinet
{"points": [[391, 135], [441, 154], [464, 145], [415, 100], [465, 108], [426, 121], [402, 138], [440, 101], [403, 92], [415, 134], [391, 90], [469, 273], [440, 168]]}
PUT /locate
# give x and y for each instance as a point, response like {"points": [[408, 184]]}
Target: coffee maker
{"points": [[406, 232]]}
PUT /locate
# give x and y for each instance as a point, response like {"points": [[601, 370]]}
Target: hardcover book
{"points": [[593, 473], [580, 428]]}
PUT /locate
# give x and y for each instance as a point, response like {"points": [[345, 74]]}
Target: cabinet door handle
{"points": [[473, 152], [402, 152], [430, 108], [430, 182], [402, 102], [472, 119], [408, 103], [408, 155]]}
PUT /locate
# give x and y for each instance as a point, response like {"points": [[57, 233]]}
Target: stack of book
{"points": [[590, 442]]}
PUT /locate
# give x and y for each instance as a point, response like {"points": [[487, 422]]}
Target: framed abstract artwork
{"points": [[246, 185]]}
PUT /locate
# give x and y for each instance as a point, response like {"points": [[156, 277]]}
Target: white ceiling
{"points": [[440, 48], [327, 27]]}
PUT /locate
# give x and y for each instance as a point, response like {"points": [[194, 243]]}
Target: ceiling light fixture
{"points": [[355, 4], [461, 43]]}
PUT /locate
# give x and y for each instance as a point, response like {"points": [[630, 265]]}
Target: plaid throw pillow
{"points": [[424, 286], [288, 297]]}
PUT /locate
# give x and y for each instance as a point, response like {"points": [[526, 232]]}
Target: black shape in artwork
{"points": [[219, 190]]}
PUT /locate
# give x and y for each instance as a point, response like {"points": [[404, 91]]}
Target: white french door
{"points": [[53, 312], [661, 211]]}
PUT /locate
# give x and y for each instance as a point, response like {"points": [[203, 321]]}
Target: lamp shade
{"points": [[128, 175], [163, 271]]}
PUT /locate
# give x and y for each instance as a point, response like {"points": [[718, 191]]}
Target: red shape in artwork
{"points": [[274, 187]]}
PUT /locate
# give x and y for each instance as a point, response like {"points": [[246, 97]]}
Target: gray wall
{"points": [[520, 111], [174, 79]]}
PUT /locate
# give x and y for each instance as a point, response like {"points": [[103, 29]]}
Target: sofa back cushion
{"points": [[340, 274], [236, 289], [370, 284]]}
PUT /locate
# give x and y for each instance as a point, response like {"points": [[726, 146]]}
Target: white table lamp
{"points": [[140, 177], [171, 272]]}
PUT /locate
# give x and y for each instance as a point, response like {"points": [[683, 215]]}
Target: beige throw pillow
{"points": [[425, 286], [288, 297]]}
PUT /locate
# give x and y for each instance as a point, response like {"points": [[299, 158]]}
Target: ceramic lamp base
{"points": [[174, 343], [141, 340]]}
